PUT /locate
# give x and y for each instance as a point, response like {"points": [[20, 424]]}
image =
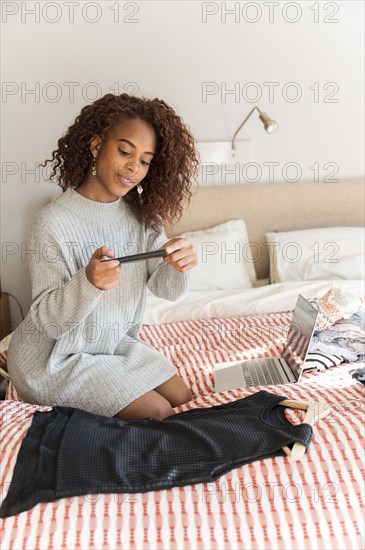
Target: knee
{"points": [[161, 410], [182, 396], [157, 410]]}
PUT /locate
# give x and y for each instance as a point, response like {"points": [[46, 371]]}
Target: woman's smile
{"points": [[126, 181]]}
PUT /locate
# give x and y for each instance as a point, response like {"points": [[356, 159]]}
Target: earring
{"points": [[93, 168], [139, 189]]}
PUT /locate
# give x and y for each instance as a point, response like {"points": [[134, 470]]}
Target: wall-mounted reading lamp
{"points": [[230, 152], [270, 125]]}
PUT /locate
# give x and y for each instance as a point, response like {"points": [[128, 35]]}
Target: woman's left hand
{"points": [[181, 254]]}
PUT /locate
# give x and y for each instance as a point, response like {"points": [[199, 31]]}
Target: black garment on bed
{"points": [[68, 452]]}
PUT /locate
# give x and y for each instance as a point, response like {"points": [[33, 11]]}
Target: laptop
{"points": [[286, 369]]}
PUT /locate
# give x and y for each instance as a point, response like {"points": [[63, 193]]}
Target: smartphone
{"points": [[136, 257]]}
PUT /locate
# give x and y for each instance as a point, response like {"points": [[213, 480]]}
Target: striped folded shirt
{"points": [[320, 361]]}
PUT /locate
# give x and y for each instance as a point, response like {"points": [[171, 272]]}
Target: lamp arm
{"points": [[238, 129]]}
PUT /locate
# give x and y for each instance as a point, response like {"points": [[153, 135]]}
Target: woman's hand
{"points": [[103, 275], [181, 254]]}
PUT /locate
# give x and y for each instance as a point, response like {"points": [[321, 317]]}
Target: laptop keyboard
{"points": [[260, 374]]}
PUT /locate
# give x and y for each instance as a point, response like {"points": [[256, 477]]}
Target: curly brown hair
{"points": [[168, 181]]}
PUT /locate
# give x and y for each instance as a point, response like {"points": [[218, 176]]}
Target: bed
{"points": [[315, 503]]}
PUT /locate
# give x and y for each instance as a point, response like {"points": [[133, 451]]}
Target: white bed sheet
{"points": [[196, 304]]}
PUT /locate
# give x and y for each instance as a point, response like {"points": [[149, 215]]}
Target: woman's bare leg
{"points": [[149, 405], [175, 391]]}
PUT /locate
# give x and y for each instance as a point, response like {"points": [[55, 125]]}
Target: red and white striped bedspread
{"points": [[315, 503]]}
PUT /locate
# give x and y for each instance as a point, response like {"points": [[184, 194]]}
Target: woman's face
{"points": [[122, 160]]}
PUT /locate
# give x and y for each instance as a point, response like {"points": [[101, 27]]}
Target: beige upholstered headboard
{"points": [[275, 207]]}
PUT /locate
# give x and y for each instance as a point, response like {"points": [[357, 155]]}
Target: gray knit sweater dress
{"points": [[78, 345]]}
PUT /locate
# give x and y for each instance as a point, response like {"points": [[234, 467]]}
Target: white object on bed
{"points": [[224, 257], [317, 254], [227, 303]]}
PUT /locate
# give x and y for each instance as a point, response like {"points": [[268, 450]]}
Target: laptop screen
{"points": [[299, 335]]}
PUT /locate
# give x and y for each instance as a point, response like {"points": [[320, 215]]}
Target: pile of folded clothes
{"points": [[340, 331]]}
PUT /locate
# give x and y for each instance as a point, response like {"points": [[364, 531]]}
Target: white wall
{"points": [[169, 52]]}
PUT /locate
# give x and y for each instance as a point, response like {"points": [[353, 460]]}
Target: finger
{"points": [[176, 244], [184, 262], [186, 267], [107, 266], [175, 258], [187, 252], [169, 242], [102, 251]]}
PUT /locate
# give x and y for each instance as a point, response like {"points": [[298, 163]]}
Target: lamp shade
{"points": [[270, 125]]}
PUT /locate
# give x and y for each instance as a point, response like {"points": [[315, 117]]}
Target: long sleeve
{"points": [[61, 298], [163, 280]]}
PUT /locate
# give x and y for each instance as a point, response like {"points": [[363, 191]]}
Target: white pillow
{"points": [[328, 253], [224, 258]]}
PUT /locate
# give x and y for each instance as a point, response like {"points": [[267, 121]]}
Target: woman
{"points": [[125, 167]]}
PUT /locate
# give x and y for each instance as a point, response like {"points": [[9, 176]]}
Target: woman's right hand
{"points": [[103, 275]]}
